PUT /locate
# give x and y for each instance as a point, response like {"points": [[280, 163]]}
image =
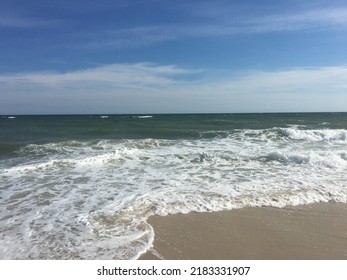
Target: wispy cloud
{"points": [[133, 36], [111, 88], [283, 21], [319, 19], [297, 89], [114, 76], [317, 80], [144, 87], [312, 19]]}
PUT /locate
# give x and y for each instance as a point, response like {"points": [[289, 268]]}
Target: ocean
{"points": [[83, 186]]}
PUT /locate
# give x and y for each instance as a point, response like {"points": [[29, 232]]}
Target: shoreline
{"points": [[314, 231]]}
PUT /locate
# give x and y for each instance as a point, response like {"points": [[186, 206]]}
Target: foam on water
{"points": [[91, 199], [328, 135], [143, 117]]}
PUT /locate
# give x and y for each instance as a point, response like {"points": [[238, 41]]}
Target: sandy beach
{"points": [[315, 231]]}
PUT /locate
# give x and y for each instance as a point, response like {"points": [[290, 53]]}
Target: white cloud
{"points": [[144, 87], [297, 89], [138, 75], [296, 80], [111, 88]]}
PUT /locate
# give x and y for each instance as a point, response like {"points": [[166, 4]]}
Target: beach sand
{"points": [[315, 231]]}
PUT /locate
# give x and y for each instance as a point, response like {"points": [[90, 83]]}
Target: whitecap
{"points": [[328, 135], [143, 117]]}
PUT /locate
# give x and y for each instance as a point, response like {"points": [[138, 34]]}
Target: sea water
{"points": [[82, 187]]}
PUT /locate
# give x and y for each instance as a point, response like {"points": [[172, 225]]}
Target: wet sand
{"points": [[315, 231]]}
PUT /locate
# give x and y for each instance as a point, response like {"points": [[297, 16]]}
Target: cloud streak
{"points": [[145, 87], [319, 19], [139, 75], [313, 19]]}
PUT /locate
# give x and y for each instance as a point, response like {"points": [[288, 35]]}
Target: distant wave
{"points": [[142, 117]]}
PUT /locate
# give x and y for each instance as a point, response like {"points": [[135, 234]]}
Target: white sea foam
{"points": [[90, 200], [143, 117], [328, 135], [326, 159]]}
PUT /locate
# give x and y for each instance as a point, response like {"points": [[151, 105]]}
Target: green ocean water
{"points": [[44, 129]]}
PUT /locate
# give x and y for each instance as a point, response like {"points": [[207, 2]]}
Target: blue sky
{"points": [[160, 56]]}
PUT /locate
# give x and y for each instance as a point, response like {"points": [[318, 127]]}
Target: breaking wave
{"points": [[90, 199]]}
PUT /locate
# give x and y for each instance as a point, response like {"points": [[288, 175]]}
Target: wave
{"points": [[327, 135], [8, 148], [312, 158], [194, 201], [222, 148], [98, 194], [278, 134], [143, 117]]}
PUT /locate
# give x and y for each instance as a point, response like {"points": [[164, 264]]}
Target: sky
{"points": [[177, 56]]}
